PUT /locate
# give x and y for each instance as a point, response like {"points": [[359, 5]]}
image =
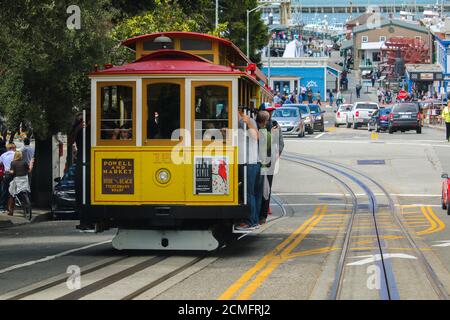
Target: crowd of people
{"points": [[15, 173], [264, 145]]}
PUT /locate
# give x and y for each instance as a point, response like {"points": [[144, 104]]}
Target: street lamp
{"points": [[248, 22]]}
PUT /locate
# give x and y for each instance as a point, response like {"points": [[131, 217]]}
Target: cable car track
{"points": [[45, 287], [353, 174]]}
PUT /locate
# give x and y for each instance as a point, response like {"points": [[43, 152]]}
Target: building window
{"points": [[116, 113], [163, 110], [364, 39], [382, 38], [211, 110], [376, 56]]}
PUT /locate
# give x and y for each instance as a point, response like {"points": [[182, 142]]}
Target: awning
{"points": [[372, 45]]}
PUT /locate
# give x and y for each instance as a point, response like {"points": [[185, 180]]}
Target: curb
{"points": [[47, 216]]}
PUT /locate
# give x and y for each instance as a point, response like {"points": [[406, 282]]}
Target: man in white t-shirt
{"points": [[248, 155], [5, 160]]}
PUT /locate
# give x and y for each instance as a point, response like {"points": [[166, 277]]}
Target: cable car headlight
{"points": [[163, 176]]}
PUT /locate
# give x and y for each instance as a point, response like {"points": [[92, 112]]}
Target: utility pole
{"points": [[217, 14]]}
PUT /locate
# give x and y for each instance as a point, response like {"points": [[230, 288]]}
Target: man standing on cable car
{"points": [[249, 140]]}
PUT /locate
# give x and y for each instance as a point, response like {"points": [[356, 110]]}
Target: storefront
{"points": [[424, 78]]}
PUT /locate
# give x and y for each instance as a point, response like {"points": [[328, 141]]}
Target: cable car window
{"points": [[194, 44], [211, 109], [116, 122], [150, 45], [163, 110]]}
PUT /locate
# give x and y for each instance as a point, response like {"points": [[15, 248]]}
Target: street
{"points": [[321, 241]]}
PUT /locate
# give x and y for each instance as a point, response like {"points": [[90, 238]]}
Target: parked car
{"points": [[307, 117], [317, 114], [290, 121], [342, 114], [405, 117], [379, 120], [361, 114], [63, 200], [446, 193]]}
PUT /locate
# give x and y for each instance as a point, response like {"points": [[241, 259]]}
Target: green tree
{"points": [[45, 65], [234, 12]]}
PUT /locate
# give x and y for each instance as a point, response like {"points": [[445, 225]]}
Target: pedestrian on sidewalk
{"points": [[20, 185], [373, 78], [358, 90], [319, 97], [6, 159], [446, 117], [331, 97]]}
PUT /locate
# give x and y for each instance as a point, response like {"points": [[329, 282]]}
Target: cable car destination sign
{"points": [[118, 176]]}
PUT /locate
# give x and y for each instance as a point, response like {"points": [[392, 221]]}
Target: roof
{"points": [[130, 42], [168, 61], [173, 62], [393, 22], [360, 20]]}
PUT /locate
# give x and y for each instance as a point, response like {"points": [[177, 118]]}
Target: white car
{"points": [[342, 113], [361, 114]]}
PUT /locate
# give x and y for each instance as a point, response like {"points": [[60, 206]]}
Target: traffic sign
{"points": [[402, 94]]}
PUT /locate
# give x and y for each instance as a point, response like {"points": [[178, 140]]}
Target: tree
{"points": [[237, 33], [45, 65]]}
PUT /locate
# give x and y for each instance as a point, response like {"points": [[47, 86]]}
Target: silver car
{"points": [[290, 121]]}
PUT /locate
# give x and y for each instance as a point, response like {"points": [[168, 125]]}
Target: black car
{"points": [[405, 117], [64, 201], [317, 113]]}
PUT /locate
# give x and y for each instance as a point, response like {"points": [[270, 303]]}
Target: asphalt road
{"points": [[296, 256]]}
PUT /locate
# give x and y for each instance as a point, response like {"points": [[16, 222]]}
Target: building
{"points": [[368, 39], [359, 21], [442, 50], [287, 75], [424, 77]]}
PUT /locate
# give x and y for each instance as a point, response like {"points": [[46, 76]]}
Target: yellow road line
{"points": [[436, 224], [276, 261], [228, 294]]}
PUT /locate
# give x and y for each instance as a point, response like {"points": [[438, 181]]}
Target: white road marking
{"points": [[445, 243], [406, 195], [320, 135], [48, 258], [377, 257]]}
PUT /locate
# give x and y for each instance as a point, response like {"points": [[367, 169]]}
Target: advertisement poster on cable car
{"points": [[118, 176], [211, 175]]}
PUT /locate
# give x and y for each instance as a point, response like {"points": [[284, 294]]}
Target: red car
{"points": [[446, 193]]}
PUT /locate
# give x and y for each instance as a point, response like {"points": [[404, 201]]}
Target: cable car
{"points": [[162, 164]]}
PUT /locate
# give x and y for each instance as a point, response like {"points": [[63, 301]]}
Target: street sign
{"points": [[402, 94]]}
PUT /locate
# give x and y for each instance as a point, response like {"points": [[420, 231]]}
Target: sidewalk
{"points": [[18, 219]]}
